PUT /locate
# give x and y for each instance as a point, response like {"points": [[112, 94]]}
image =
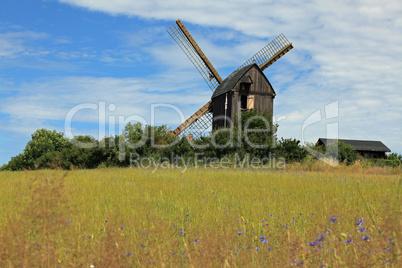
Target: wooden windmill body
{"points": [[245, 89]]}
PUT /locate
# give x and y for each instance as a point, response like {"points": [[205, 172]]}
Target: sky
{"points": [[99, 64]]}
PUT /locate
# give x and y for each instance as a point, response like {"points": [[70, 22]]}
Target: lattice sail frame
{"points": [[199, 127], [275, 49], [185, 41]]}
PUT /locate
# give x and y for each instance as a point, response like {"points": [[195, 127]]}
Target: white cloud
{"points": [[345, 51]]}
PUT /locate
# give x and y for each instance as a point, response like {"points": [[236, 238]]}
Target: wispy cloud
{"points": [[344, 51]]}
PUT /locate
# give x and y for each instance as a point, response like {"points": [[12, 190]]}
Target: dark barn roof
{"points": [[359, 145], [230, 81]]}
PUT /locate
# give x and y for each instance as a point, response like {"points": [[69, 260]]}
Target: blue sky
{"points": [[56, 55]]}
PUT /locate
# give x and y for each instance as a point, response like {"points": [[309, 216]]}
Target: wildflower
{"points": [[128, 254], [181, 233], [320, 237], [106, 221], [366, 237], [348, 241], [122, 227], [235, 253], [269, 248], [333, 219], [387, 249], [239, 233], [262, 238], [187, 215], [196, 240], [142, 246], [313, 244], [257, 248], [359, 222], [362, 230]]}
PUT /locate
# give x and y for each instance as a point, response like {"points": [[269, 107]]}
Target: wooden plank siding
{"points": [[260, 94]]}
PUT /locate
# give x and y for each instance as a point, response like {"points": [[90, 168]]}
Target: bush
{"points": [[344, 152], [291, 150]]}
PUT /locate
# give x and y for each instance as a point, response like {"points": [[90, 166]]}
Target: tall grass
{"points": [[344, 216]]}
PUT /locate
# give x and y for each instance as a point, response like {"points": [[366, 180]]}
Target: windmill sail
{"points": [[186, 42], [271, 52], [201, 120]]}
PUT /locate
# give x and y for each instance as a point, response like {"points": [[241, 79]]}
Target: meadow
{"points": [[312, 216]]}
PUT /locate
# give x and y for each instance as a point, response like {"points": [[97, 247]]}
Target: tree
{"points": [[342, 151], [291, 150]]}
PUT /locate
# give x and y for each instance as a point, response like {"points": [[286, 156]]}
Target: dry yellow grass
{"points": [[308, 214]]}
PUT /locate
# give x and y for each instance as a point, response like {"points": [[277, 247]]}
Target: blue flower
{"points": [[333, 219], [313, 244], [359, 222], [257, 248], [262, 238], [239, 233], [196, 240], [235, 253], [366, 237], [362, 230], [387, 249], [348, 241]]}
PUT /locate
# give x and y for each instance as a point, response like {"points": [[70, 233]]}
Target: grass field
{"points": [[326, 217]]}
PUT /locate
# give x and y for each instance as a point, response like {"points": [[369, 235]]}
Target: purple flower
{"points": [[348, 241], [333, 219], [313, 244], [257, 248], [262, 238], [235, 253], [128, 254], [362, 230], [239, 233], [196, 240], [387, 249], [359, 222], [366, 237]]}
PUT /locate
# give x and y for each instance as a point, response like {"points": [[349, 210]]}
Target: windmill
{"points": [[245, 86]]}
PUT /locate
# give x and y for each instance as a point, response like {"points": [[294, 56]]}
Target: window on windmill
{"points": [[243, 102], [250, 102]]}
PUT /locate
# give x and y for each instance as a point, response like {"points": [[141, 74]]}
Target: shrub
{"points": [[291, 150]]}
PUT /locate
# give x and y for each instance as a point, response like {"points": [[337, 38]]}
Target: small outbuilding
{"points": [[245, 89], [370, 149]]}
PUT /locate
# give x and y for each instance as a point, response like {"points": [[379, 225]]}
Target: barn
{"points": [[370, 149], [245, 89]]}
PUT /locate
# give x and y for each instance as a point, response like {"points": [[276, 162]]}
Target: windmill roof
{"points": [[230, 81], [359, 145]]}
